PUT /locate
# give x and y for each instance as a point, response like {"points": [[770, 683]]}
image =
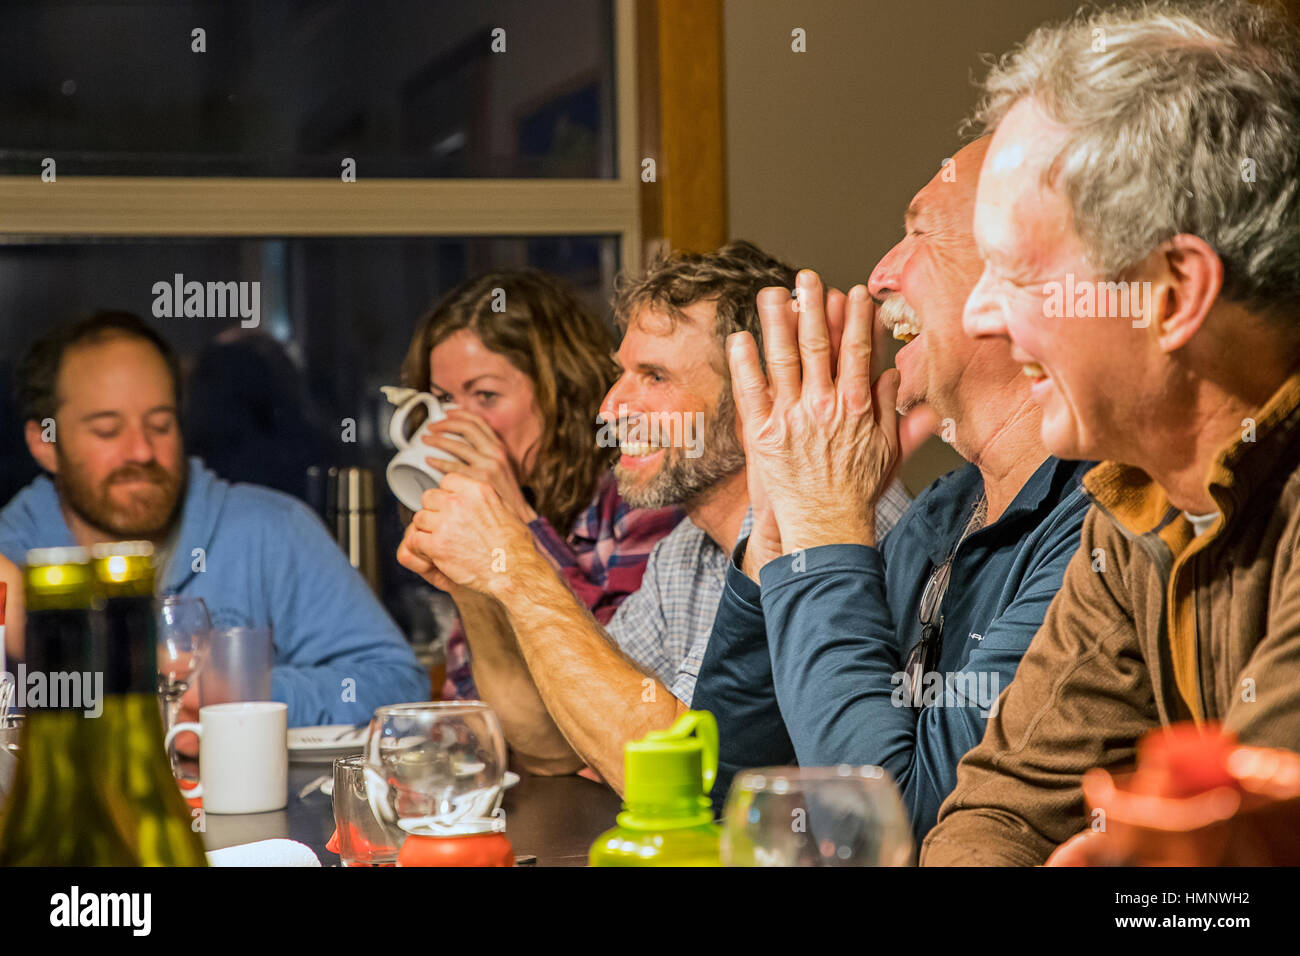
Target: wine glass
{"points": [[183, 626], [7, 688], [10, 724], [436, 769], [815, 816]]}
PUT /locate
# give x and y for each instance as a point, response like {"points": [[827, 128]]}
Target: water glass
{"points": [[437, 768], [363, 838], [236, 665], [815, 816]]}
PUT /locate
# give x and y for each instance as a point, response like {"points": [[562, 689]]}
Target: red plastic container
{"points": [[475, 849]]}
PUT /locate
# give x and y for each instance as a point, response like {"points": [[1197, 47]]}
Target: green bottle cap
{"points": [[668, 773]]}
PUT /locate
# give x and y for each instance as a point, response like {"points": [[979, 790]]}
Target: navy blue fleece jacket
{"points": [[808, 669]]}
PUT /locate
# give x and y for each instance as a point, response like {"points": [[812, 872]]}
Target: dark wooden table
{"points": [[555, 819]]}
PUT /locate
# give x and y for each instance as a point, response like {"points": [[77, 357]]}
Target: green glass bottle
{"points": [[667, 818], [55, 815], [139, 787]]}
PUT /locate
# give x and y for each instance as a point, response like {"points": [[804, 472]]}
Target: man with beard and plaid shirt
{"points": [[569, 692]]}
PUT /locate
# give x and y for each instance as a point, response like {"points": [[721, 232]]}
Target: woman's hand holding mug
{"points": [[479, 454]]}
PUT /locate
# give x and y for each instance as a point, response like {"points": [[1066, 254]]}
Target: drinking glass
{"points": [[364, 839], [236, 665], [11, 731], [815, 816], [436, 768], [8, 686], [183, 628]]}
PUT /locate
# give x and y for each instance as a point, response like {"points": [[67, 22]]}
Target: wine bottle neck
{"points": [[130, 640], [65, 660]]}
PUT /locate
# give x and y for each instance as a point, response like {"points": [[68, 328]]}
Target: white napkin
{"points": [[265, 853]]}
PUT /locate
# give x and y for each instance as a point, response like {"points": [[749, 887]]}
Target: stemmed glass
{"points": [[7, 687], [815, 816], [10, 724], [436, 769], [183, 627]]}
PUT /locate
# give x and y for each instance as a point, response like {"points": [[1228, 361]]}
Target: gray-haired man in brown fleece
{"points": [[1139, 217]]}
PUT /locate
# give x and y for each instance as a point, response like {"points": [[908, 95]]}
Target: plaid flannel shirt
{"points": [[665, 626]]}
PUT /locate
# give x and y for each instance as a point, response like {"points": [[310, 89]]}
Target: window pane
{"points": [[335, 319], [406, 88]]}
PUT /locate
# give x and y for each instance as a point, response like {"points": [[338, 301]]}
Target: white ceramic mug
{"points": [[243, 756], [408, 474]]}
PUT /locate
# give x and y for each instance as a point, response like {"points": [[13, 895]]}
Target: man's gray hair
{"points": [[1184, 118]]}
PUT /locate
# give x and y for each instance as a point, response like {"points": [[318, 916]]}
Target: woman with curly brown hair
{"points": [[527, 364]]}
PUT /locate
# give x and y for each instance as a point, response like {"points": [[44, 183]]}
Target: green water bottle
{"points": [[667, 818]]}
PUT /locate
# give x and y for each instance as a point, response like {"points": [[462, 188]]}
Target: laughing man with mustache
{"points": [[821, 616]]}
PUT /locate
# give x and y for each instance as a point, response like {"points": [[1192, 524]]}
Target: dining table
{"points": [[551, 821]]}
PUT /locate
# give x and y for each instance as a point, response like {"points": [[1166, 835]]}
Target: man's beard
{"points": [[148, 514], [681, 480]]}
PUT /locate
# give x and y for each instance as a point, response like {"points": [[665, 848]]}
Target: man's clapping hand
{"points": [[822, 439]]}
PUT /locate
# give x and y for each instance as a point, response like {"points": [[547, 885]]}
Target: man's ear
{"points": [[1186, 284], [42, 450]]}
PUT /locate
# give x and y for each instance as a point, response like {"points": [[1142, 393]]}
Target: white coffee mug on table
{"points": [[243, 756], [409, 474]]}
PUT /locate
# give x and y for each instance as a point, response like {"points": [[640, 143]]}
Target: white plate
{"points": [[323, 744]]}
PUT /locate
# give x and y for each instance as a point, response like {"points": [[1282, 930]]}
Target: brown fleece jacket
{"points": [[1152, 625]]}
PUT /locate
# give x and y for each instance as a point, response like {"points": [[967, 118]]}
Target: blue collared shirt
{"points": [[664, 626]]}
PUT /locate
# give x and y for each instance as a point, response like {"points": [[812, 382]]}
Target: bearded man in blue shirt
{"points": [[100, 401], [829, 646]]}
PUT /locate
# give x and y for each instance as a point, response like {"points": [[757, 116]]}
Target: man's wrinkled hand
{"points": [[764, 542], [464, 534], [822, 438], [415, 560]]}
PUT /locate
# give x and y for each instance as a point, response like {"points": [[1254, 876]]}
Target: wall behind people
{"points": [[826, 147]]}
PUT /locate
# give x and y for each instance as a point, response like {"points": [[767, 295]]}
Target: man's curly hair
{"points": [[730, 278]]}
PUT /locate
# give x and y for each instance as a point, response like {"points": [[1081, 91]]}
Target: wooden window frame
{"points": [[163, 206]]}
